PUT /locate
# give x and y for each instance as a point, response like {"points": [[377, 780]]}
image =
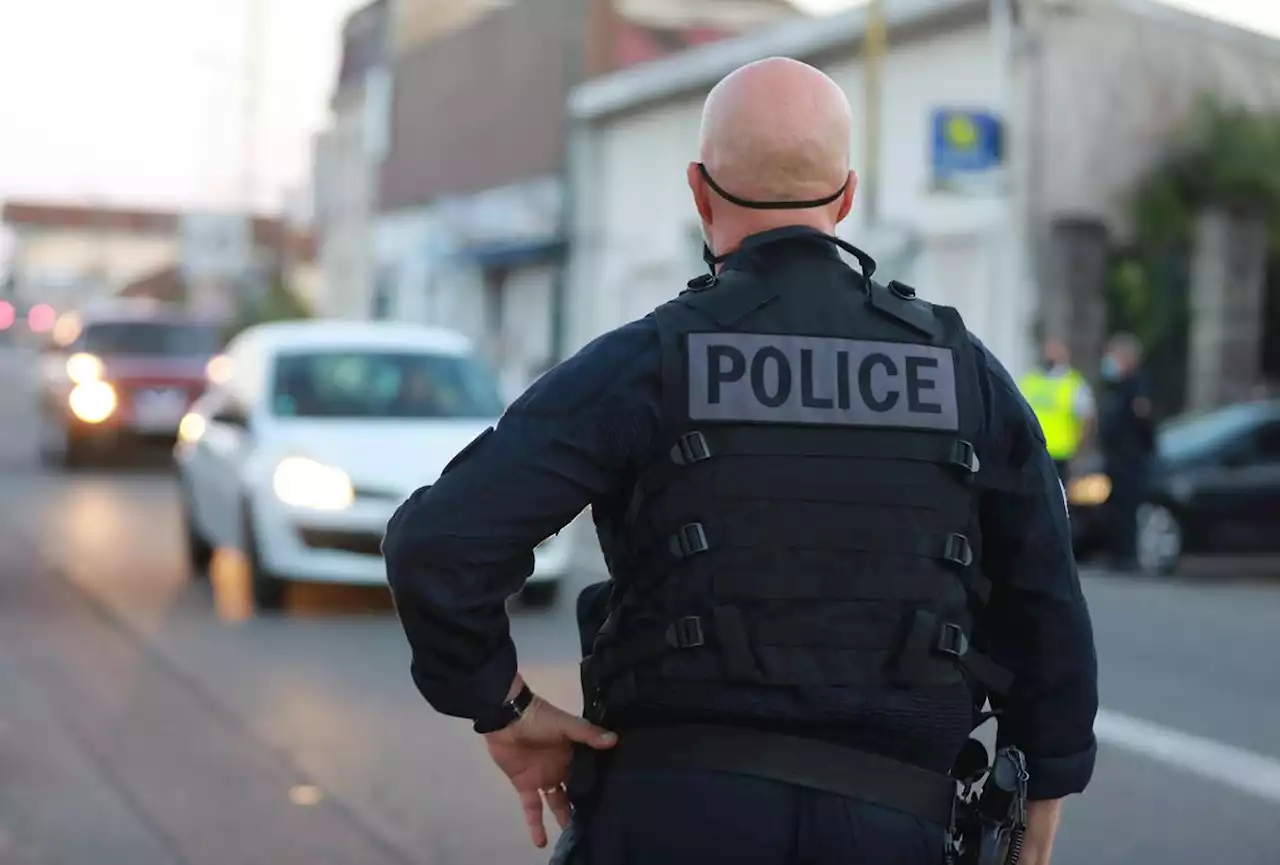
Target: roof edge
{"points": [[706, 64], [1212, 28]]}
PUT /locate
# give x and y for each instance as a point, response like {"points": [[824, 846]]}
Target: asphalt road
{"points": [[144, 720]]}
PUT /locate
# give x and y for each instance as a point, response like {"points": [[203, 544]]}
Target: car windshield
{"points": [[150, 338], [1188, 435], [380, 384]]}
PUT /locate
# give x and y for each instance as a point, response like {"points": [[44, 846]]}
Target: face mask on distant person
{"points": [[1110, 368]]}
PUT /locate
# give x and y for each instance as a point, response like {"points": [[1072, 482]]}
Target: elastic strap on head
{"points": [[769, 205]]}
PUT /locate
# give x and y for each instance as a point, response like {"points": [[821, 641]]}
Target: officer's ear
{"points": [[701, 195], [846, 200]]}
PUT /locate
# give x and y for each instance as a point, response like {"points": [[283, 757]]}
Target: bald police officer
{"points": [[832, 531]]}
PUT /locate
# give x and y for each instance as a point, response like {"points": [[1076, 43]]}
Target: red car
{"points": [[123, 375]]}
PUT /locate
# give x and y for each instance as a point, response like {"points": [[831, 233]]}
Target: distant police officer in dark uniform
{"points": [[832, 530], [1126, 434]]}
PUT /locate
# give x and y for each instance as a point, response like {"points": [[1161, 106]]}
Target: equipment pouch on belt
{"points": [[989, 825]]}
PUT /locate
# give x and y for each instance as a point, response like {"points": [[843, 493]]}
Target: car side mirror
{"points": [[232, 418]]}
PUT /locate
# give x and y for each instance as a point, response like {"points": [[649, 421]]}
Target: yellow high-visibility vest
{"points": [[1052, 398]]}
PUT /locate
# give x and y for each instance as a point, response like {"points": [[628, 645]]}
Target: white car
{"points": [[312, 436]]}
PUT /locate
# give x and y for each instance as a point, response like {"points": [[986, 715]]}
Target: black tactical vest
{"points": [[811, 520]]}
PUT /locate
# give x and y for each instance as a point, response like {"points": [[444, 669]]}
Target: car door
{"points": [[226, 443], [1258, 491], [1237, 501], [195, 471]]}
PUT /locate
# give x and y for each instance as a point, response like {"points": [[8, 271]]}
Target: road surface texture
{"points": [[144, 722]]}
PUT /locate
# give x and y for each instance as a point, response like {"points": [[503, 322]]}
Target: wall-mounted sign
{"points": [[967, 153]]}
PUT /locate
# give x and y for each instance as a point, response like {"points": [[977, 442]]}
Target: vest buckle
{"points": [[964, 456], [951, 641], [957, 550], [690, 540], [691, 447], [686, 633]]}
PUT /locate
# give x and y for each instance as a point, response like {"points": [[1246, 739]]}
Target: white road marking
{"points": [[1234, 767]]}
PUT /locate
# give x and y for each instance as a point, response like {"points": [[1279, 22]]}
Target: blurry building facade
{"points": [[471, 229], [345, 165], [67, 255], [1094, 86]]}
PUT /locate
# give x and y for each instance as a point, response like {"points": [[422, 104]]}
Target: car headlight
{"points": [[304, 483], [190, 428], [84, 368], [1089, 490], [218, 369], [92, 401]]}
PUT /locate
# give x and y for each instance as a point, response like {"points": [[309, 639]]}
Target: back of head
{"points": [[776, 130], [1055, 351], [1126, 347]]}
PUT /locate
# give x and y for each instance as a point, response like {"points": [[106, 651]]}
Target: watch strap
{"points": [[507, 714]]}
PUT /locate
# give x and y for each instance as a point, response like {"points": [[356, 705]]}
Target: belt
{"points": [[791, 760]]}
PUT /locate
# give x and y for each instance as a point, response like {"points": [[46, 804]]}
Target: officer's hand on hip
{"points": [[535, 752]]}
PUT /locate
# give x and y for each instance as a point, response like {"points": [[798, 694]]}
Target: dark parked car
{"points": [[1214, 490]]}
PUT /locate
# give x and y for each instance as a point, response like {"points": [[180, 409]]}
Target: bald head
{"points": [[777, 130], [772, 131]]}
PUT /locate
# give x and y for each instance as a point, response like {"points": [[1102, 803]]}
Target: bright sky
{"points": [[142, 101]]}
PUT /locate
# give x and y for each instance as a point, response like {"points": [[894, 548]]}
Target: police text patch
{"points": [[788, 379]]}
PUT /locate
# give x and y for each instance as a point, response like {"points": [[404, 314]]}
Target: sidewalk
{"points": [[55, 803], [109, 757]]}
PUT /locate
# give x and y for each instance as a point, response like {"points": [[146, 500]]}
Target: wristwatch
{"points": [[506, 715]]}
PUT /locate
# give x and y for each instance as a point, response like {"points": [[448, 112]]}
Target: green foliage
{"points": [[278, 303], [1222, 156]]}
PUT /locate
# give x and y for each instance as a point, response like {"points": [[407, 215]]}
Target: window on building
{"points": [[495, 281], [383, 288]]}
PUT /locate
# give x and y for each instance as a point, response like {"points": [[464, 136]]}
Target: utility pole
{"points": [[1010, 232], [874, 45], [249, 102], [251, 284]]}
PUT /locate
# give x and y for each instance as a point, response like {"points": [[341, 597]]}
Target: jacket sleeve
{"points": [[456, 550], [1037, 622]]}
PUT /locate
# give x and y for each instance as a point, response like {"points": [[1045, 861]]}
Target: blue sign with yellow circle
{"points": [[965, 142]]}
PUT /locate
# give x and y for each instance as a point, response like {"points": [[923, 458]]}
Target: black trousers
{"points": [[668, 817], [1122, 518]]}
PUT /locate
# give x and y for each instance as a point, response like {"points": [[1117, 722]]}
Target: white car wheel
{"points": [[1159, 539]]}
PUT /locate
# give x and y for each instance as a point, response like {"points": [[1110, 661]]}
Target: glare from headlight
{"points": [[84, 368], [66, 329], [218, 369], [304, 483], [1089, 490], [190, 428], [93, 401]]}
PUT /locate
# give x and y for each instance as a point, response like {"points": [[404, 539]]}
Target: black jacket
{"points": [[579, 437]]}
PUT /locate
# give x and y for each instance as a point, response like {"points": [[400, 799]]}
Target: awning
{"points": [[513, 253]]}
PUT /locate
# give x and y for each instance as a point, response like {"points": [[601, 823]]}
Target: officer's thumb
{"points": [[580, 730]]}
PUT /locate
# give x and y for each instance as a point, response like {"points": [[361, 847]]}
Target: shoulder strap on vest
{"points": [[733, 296], [718, 303], [898, 301]]}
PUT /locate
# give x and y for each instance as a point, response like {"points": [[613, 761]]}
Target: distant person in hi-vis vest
{"points": [[1063, 403]]}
